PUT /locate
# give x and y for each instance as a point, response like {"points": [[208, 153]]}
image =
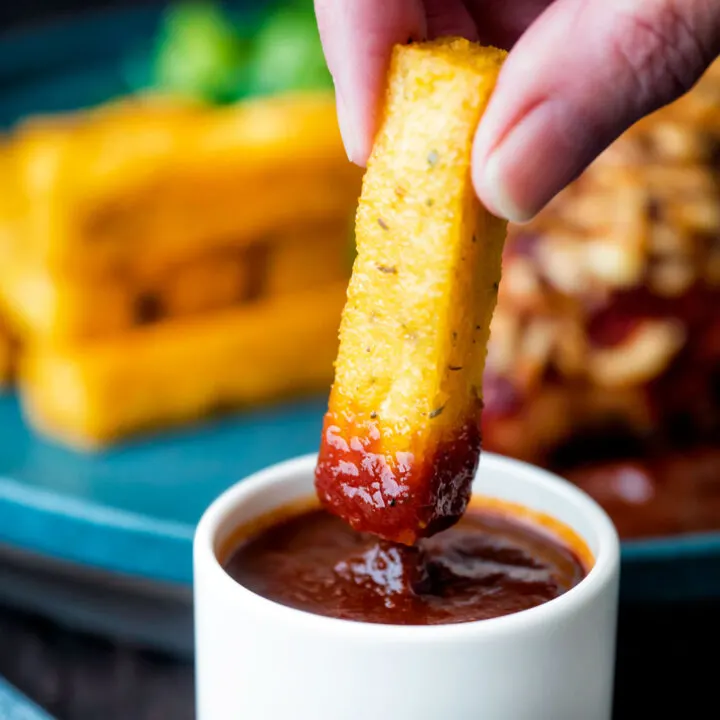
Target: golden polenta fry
{"points": [[60, 309], [54, 309], [182, 370], [401, 437], [182, 182]]}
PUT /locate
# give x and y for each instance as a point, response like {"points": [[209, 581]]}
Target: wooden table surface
{"points": [[76, 677], [668, 662]]}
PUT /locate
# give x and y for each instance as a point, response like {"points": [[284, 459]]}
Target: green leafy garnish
{"points": [[287, 53], [204, 53], [201, 54]]}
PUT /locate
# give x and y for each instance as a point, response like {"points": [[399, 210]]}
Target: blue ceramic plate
{"points": [[131, 512]]}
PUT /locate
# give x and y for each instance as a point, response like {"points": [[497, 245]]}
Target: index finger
{"points": [[358, 38]]}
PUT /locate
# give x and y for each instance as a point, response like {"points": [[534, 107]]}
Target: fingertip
{"points": [[492, 189], [358, 38], [348, 132], [493, 182]]}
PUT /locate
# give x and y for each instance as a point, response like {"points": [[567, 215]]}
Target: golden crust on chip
{"points": [[183, 370]]}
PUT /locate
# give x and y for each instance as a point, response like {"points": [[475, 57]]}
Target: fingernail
{"points": [[531, 164], [347, 131], [494, 192]]}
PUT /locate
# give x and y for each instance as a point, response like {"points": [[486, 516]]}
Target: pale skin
{"points": [[579, 73]]}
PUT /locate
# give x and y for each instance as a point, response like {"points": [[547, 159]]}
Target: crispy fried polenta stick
{"points": [[138, 187], [55, 309], [183, 370], [401, 441]]}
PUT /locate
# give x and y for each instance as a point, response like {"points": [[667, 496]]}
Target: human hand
{"points": [[580, 72]]}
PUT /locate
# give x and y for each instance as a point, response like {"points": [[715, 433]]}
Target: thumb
{"points": [[582, 74]]}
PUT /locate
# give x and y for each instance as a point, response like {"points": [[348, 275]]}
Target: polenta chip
{"points": [[182, 370], [401, 438], [144, 185], [49, 309], [53, 309]]}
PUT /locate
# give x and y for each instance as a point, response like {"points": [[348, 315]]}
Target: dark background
{"points": [[668, 656], [19, 12]]}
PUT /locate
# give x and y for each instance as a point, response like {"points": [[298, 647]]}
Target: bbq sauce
{"points": [[488, 565]]}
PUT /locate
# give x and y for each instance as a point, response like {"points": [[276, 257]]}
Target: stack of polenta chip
{"points": [[160, 260]]}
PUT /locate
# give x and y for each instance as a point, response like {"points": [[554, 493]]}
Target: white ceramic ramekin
{"points": [[258, 660]]}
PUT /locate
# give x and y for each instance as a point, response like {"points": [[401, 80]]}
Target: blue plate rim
{"points": [[145, 547]]}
